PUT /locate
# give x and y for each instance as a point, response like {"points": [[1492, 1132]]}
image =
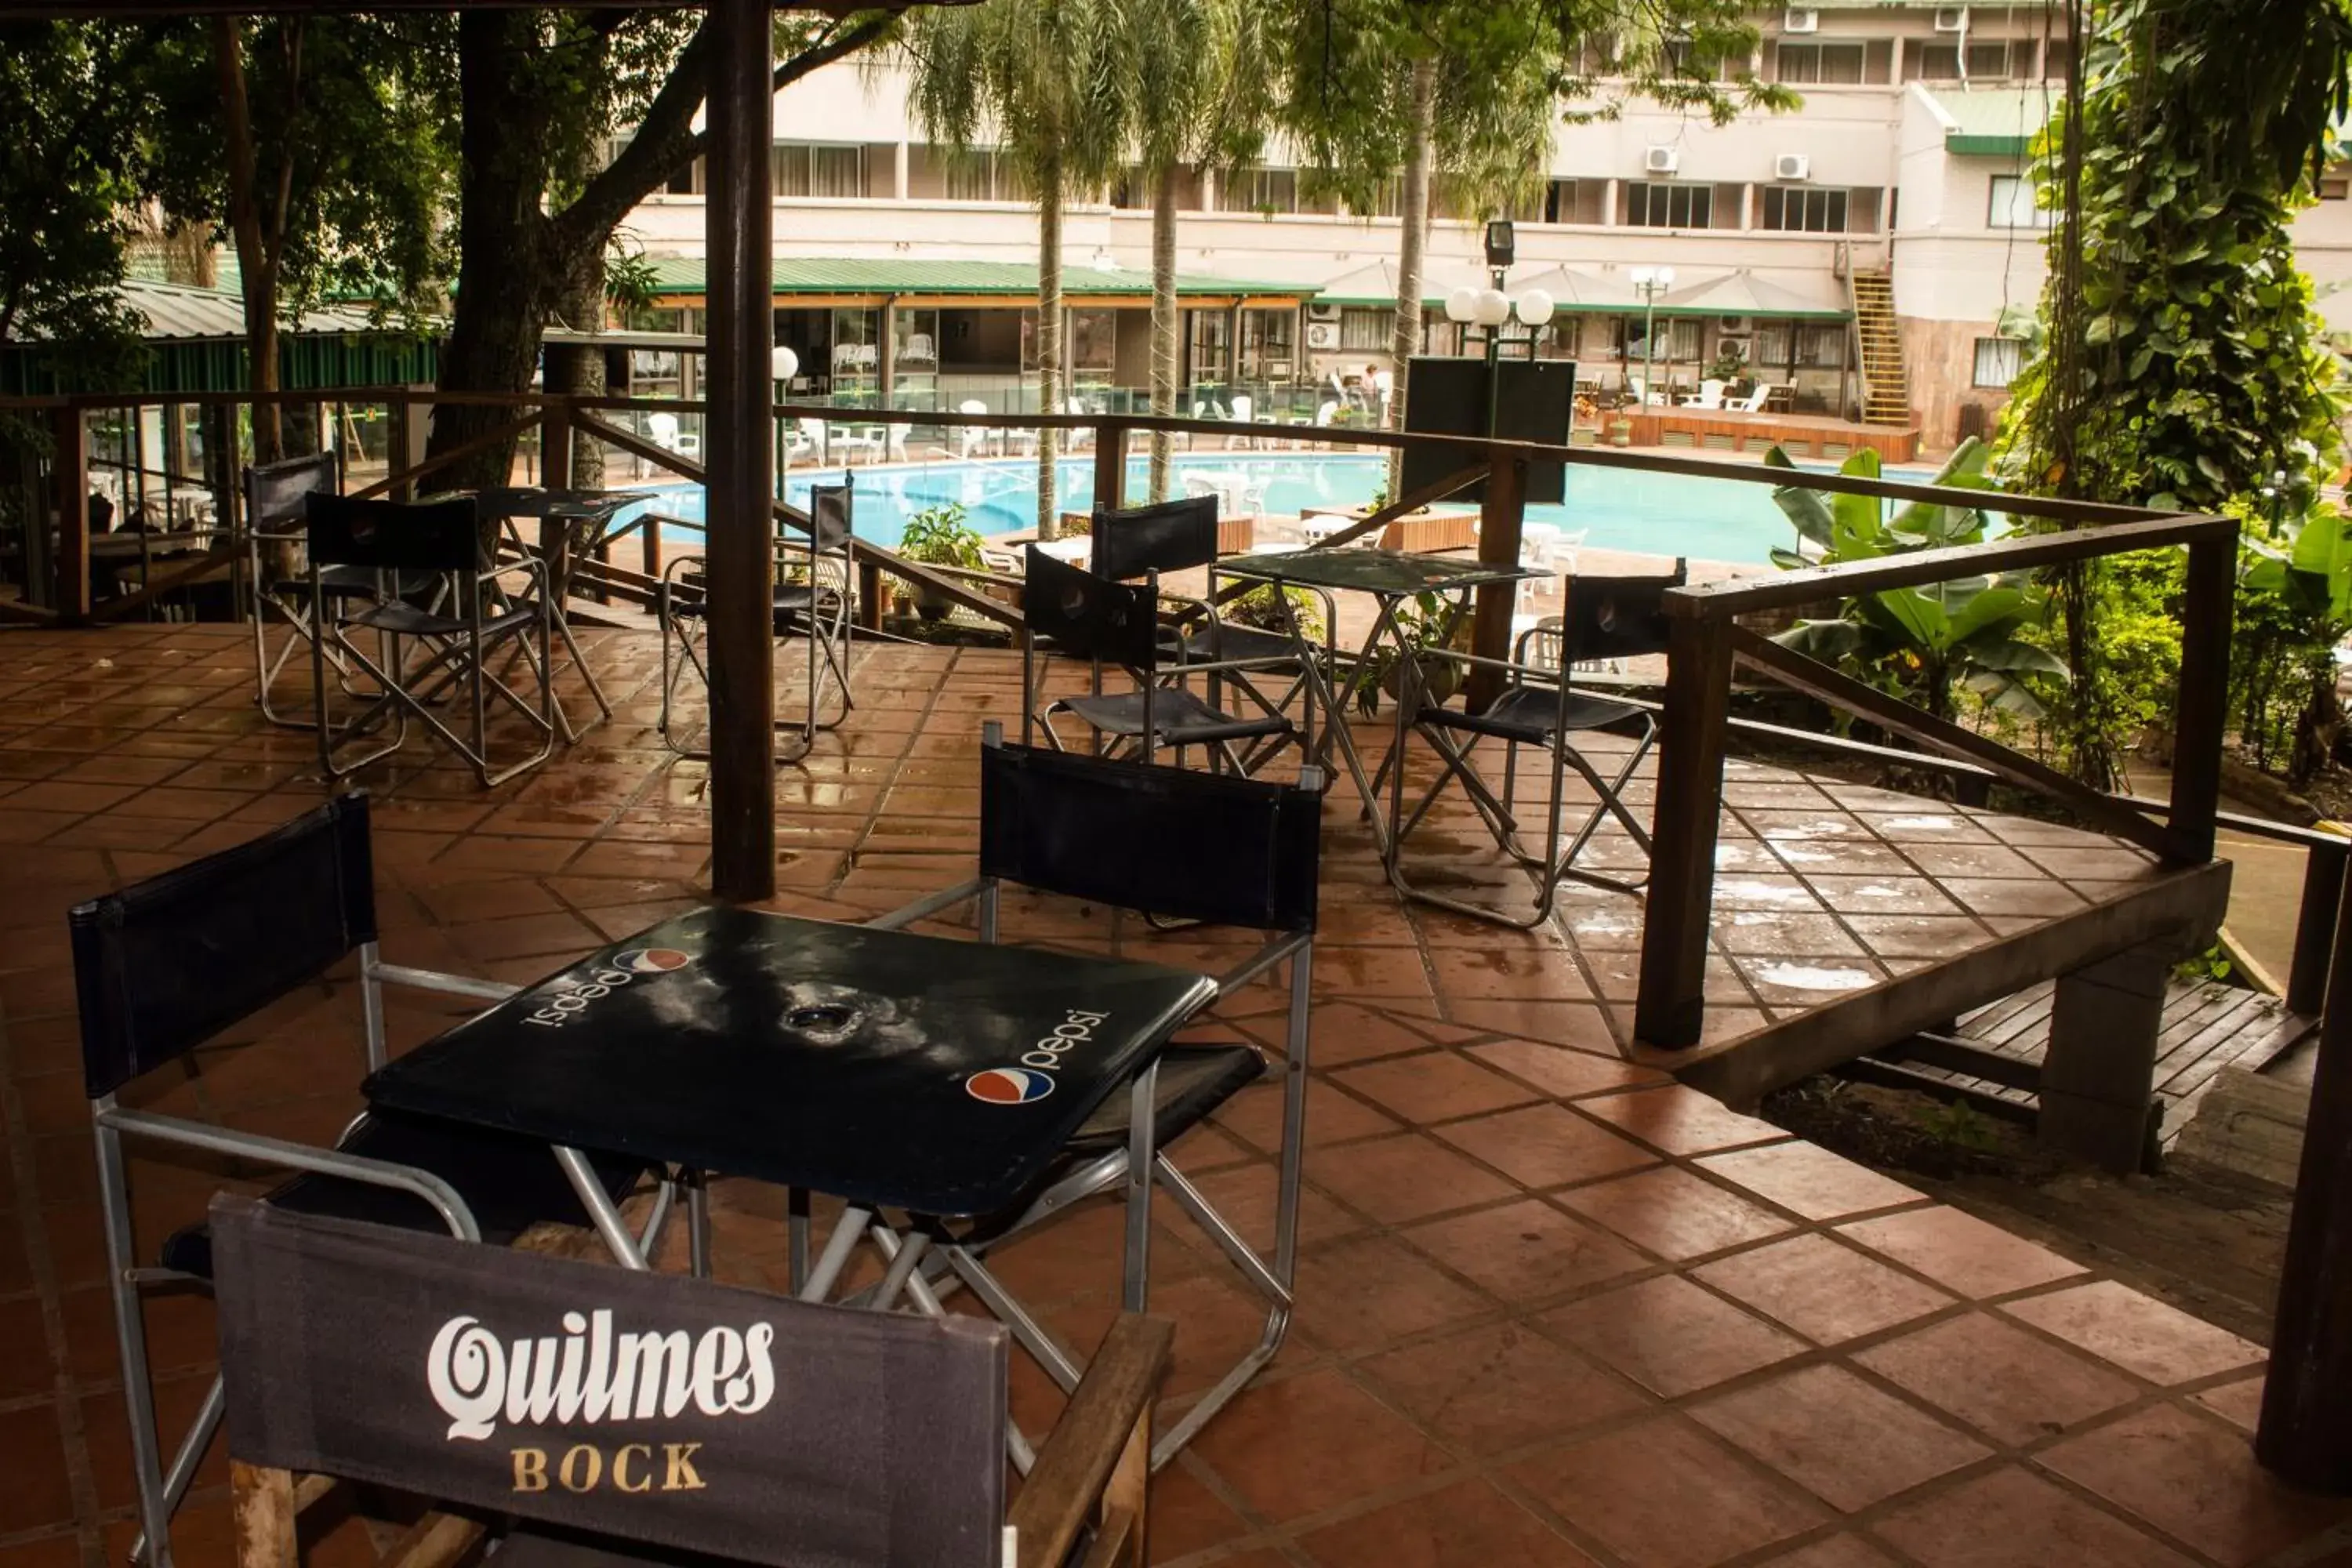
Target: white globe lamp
{"points": [[782, 363], [1462, 305], [1534, 306]]}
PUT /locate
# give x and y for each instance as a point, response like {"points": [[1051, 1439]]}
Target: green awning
{"points": [[1011, 280], [1992, 122]]}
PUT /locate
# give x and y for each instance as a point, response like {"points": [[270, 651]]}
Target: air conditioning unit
{"points": [[1801, 20], [1951, 18], [1322, 313], [1792, 166], [1323, 335], [1732, 326], [1662, 159]]}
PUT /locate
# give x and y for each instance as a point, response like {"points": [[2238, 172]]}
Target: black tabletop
{"points": [[1369, 571], [523, 500], [885, 1068]]}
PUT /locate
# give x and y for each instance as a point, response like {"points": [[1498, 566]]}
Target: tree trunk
{"points": [[506, 285], [1404, 338], [1165, 320], [1049, 344], [254, 280], [580, 371]]}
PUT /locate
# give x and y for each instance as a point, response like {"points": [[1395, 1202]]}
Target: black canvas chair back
{"points": [[1090, 617], [1192, 845], [1615, 618], [831, 521], [639, 1407], [163, 966], [1170, 537], [274, 492], [420, 536]]}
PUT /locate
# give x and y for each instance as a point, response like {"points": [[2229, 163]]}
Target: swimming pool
{"points": [[1618, 509]]}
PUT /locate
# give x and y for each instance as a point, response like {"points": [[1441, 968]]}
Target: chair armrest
{"points": [[454, 985], [292, 1156], [1079, 1457]]}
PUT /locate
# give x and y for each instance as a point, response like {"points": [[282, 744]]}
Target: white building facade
{"points": [[1906, 164]]}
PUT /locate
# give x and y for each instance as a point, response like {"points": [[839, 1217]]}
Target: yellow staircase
{"points": [[1885, 388]]}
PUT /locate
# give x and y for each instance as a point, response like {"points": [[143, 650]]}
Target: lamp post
{"points": [[1490, 309], [783, 365], [1650, 282]]}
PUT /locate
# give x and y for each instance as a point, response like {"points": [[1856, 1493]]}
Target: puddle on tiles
{"points": [[1800, 977]]}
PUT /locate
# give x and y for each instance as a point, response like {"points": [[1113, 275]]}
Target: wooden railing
{"points": [[1695, 726]]}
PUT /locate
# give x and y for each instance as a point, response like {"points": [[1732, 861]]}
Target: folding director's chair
{"points": [[1603, 619], [1091, 618], [425, 656], [694, 1423], [1216, 850], [163, 967], [815, 598], [1179, 535]]}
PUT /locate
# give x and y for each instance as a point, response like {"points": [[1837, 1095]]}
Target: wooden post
{"points": [[555, 474], [2306, 1431], [869, 595], [740, 474], [1670, 1008], [2314, 927], [649, 542], [1501, 512], [261, 1511], [69, 493], [1110, 464], [2099, 1074], [2202, 713], [412, 432]]}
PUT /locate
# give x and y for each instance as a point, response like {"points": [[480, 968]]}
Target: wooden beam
{"points": [[1110, 464], [2183, 906], [261, 1511], [1815, 679], [2201, 715], [1501, 512], [2019, 552], [407, 478], [219, 558], [18, 610], [69, 494], [738, 441], [1670, 1007], [2305, 1430]]}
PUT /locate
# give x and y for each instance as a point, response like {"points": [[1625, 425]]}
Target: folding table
{"points": [[1390, 577], [892, 1070]]}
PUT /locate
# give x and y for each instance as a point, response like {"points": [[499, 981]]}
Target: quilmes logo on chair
{"points": [[623, 969], [1033, 1079], [590, 1375]]}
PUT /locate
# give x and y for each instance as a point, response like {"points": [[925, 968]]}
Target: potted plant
{"points": [[939, 536], [1261, 610], [1418, 624]]}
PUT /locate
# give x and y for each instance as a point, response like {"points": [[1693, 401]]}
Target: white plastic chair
{"points": [[970, 438], [1078, 440], [665, 433], [1754, 401], [1709, 395], [1243, 404]]}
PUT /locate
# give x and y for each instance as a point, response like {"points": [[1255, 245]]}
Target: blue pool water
{"points": [[1657, 514]]}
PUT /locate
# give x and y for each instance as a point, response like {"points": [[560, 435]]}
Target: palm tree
{"points": [[1047, 84], [1202, 95]]}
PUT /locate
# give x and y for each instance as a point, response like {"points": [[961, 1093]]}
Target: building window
{"points": [[1669, 206], [1998, 362], [1258, 189], [1804, 209], [1365, 331], [818, 169], [686, 181], [2334, 187], [1270, 345], [1833, 63], [1932, 62], [1821, 348], [2014, 204], [1992, 62], [1094, 342], [1682, 57]]}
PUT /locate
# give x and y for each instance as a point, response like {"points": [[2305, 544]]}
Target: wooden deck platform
{"points": [[1803, 435], [2208, 1027]]}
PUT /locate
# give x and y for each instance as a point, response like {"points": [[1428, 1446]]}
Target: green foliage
{"points": [[68, 172], [940, 536], [1917, 643], [2213, 963], [2182, 365], [1959, 1123], [2293, 607], [1260, 608]]}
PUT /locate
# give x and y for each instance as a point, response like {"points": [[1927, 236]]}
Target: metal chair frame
{"points": [[824, 607], [455, 649], [953, 1262], [1580, 644], [161, 1488], [1120, 623]]}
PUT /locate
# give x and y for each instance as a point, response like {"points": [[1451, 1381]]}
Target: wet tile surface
{"points": [[1552, 1309]]}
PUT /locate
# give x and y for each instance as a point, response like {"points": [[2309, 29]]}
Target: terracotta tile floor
{"points": [[1553, 1309]]}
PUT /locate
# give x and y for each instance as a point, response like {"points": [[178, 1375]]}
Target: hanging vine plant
{"points": [[2182, 367]]}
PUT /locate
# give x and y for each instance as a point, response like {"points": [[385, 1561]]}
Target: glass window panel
{"points": [[1997, 361], [1365, 329], [2013, 204]]}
